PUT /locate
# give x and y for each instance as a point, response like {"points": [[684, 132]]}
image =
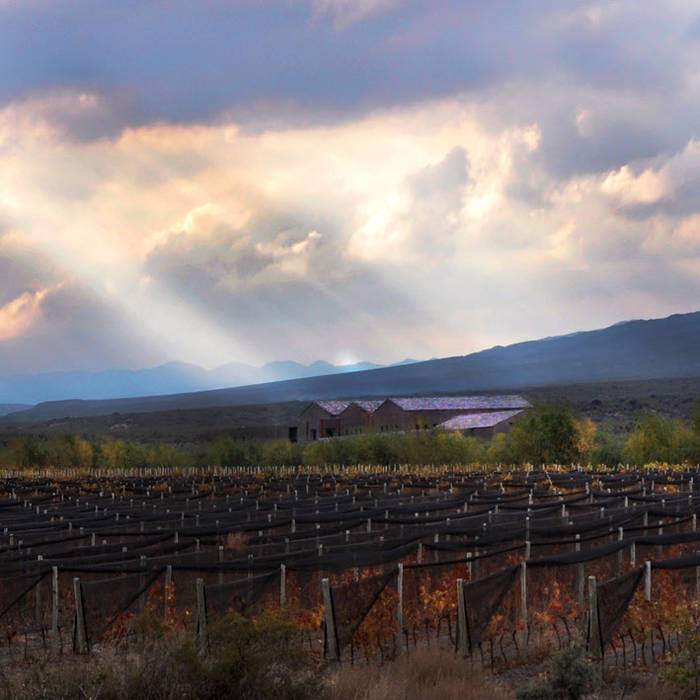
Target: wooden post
{"points": [[37, 599], [697, 579], [647, 580], [399, 609], [167, 589], [329, 617], [523, 601], [81, 643], [142, 583], [593, 620], [201, 618], [633, 555], [54, 610], [220, 577], [621, 553], [462, 619], [283, 586]]}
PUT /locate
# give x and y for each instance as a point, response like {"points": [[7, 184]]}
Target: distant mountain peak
{"points": [[651, 349]]}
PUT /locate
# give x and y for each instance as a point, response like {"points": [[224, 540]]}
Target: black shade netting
{"points": [[242, 596], [109, 604], [182, 595], [303, 589], [353, 601], [430, 596], [482, 599], [672, 589], [25, 607], [555, 600], [614, 597]]}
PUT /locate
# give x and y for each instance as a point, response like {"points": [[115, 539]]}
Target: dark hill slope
{"points": [[636, 350]]}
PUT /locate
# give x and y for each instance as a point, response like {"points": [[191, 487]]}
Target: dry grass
{"points": [[656, 690], [422, 675]]}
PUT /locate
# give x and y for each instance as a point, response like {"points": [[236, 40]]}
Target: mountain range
{"points": [[170, 378], [633, 350]]}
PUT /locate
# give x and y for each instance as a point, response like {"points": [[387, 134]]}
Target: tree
{"points": [[658, 439], [586, 440], [28, 451], [548, 434]]}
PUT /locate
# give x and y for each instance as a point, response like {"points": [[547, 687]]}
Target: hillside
{"points": [[170, 378], [612, 404], [636, 350], [6, 408]]}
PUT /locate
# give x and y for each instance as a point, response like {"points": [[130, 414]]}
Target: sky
{"points": [[238, 180]]}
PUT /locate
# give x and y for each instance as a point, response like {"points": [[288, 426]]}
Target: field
{"points": [[370, 565]]}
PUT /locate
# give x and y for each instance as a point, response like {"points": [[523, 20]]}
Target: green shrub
{"points": [[571, 678]]}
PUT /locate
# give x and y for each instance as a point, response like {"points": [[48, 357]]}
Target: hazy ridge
{"points": [[636, 350], [169, 378]]}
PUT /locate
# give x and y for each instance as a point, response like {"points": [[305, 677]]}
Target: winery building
{"points": [[477, 415]]}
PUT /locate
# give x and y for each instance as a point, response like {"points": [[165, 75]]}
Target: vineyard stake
{"points": [[647, 580], [523, 601], [54, 610], [37, 597], [329, 617], [462, 619], [283, 586], [399, 608], [201, 618], [166, 591], [621, 553], [595, 647], [81, 643]]}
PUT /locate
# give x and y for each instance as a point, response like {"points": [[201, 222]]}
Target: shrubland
{"points": [[547, 434]]}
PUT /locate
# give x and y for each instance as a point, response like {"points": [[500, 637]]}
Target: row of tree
{"points": [[545, 435]]}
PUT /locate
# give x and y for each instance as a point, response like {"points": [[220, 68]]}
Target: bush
{"points": [[247, 659], [657, 439], [683, 670], [609, 450], [551, 435], [571, 678]]}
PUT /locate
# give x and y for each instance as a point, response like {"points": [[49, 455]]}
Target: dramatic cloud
{"points": [[19, 314], [255, 181]]}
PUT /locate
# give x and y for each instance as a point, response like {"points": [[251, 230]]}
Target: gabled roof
{"points": [[333, 407], [470, 421], [370, 405], [461, 403]]}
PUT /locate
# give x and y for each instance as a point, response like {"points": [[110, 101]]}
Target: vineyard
{"points": [[370, 563]]}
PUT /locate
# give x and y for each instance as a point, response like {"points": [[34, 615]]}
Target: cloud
{"points": [[19, 314], [125, 64], [345, 13], [628, 188], [310, 179]]}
